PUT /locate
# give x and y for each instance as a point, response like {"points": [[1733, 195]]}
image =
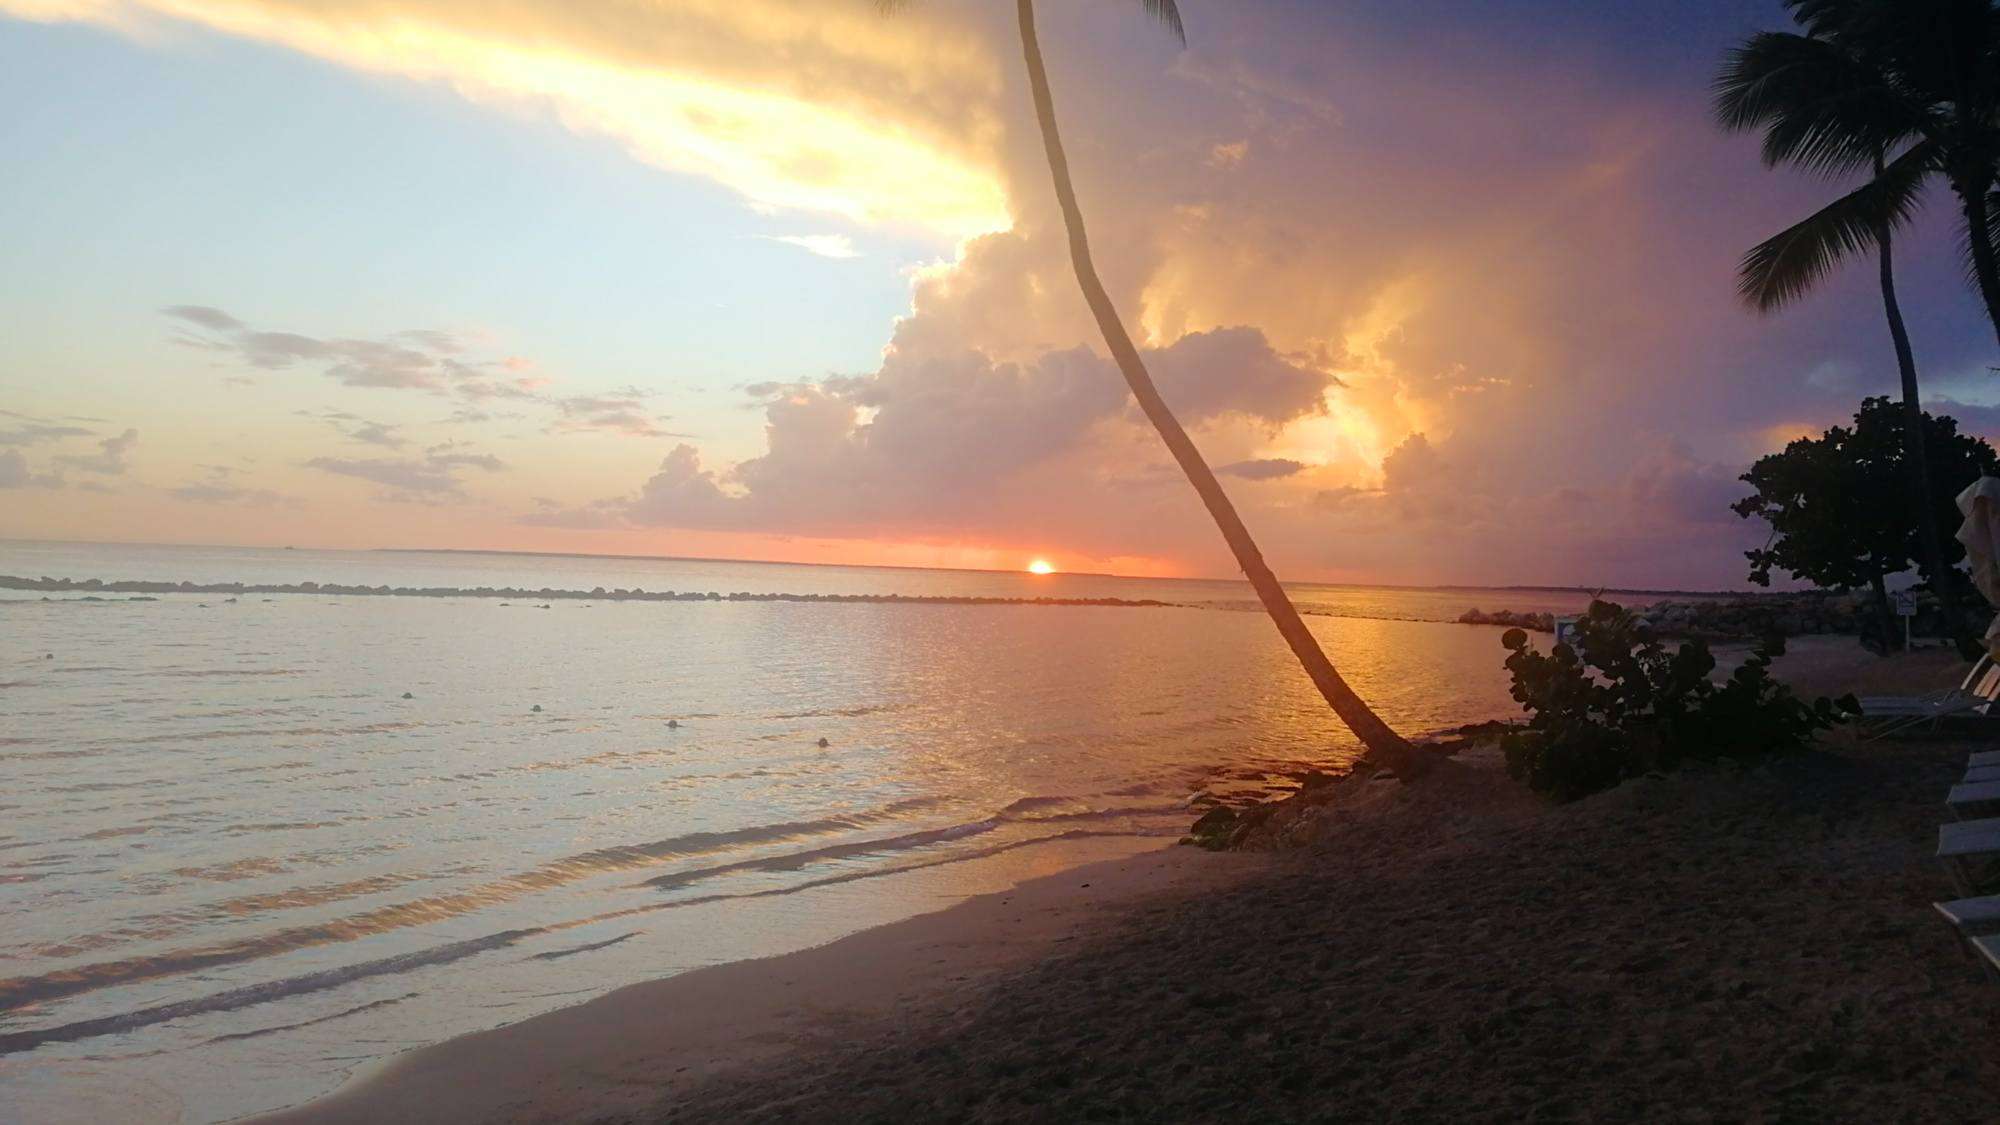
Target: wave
{"points": [[21, 992], [94, 586], [270, 991]]}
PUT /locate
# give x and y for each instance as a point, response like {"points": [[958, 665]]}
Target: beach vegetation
{"points": [[1616, 703], [1840, 513], [1903, 93]]}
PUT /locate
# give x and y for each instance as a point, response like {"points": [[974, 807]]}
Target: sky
{"points": [[1444, 289]]}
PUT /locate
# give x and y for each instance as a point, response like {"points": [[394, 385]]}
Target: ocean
{"points": [[252, 841]]}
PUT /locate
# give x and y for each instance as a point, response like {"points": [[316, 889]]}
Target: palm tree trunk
{"points": [[1885, 615], [1979, 234], [1913, 431], [1382, 743]]}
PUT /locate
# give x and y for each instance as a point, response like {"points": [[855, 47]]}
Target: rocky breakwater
{"points": [[1760, 615], [1749, 616], [95, 586], [1533, 622], [1742, 617]]}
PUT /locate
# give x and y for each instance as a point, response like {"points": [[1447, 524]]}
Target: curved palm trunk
{"points": [[1913, 430], [1384, 744]]}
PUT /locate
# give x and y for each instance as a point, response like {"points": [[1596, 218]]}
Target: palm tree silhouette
{"points": [[1826, 104], [1382, 743], [1920, 78]]}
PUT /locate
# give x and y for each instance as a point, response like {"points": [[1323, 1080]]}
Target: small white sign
{"points": [[1906, 602]]}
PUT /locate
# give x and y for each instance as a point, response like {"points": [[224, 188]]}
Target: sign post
{"points": [[1906, 608]]}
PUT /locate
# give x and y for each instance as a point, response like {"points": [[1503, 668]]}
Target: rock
{"points": [[1214, 829], [1539, 622], [407, 695]]}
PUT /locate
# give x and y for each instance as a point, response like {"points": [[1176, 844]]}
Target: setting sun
{"points": [[1041, 566]]}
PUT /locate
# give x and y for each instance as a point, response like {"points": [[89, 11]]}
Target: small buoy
{"points": [[674, 723], [823, 744], [536, 707], [407, 695], [49, 656]]}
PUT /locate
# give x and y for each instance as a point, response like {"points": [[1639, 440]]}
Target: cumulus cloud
{"points": [[1500, 343], [15, 473], [413, 359], [1263, 468], [425, 360], [430, 479], [218, 486], [795, 105], [824, 245], [112, 458], [619, 412], [356, 428], [36, 431], [1671, 485], [933, 441]]}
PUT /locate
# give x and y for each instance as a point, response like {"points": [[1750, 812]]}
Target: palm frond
{"points": [[1166, 11], [1965, 260], [1822, 107], [1169, 13], [1791, 263]]}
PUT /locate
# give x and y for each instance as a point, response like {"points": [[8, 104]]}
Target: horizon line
{"points": [[1578, 588]]}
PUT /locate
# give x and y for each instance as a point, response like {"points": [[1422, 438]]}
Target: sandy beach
{"points": [[1716, 945], [625, 1052]]}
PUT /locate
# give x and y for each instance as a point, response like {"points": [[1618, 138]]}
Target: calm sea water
{"points": [[249, 845]]}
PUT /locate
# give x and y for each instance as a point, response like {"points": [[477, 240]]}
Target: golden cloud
{"points": [[797, 106]]}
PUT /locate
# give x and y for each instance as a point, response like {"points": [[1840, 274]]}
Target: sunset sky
{"points": [[1444, 289]]}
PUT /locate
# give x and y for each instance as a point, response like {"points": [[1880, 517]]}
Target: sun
{"points": [[1041, 566]]}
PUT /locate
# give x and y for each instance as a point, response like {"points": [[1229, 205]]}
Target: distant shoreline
{"points": [[1447, 587], [98, 587]]}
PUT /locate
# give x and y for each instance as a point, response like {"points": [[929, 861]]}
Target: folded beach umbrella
{"points": [[1980, 504]]}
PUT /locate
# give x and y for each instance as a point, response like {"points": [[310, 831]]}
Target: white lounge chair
{"points": [[1969, 794], [1895, 714], [1988, 948], [1959, 843], [1972, 915]]}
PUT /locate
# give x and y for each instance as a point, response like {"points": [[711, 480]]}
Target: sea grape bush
{"points": [[1616, 704]]}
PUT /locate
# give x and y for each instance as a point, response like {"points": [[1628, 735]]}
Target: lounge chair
{"points": [[1967, 795], [1885, 715], [1989, 949], [1972, 915], [1959, 843]]}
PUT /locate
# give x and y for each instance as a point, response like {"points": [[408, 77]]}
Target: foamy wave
{"points": [[20, 992]]}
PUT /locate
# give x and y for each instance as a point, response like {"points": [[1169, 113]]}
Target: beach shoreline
{"points": [[1718, 944], [645, 1042]]}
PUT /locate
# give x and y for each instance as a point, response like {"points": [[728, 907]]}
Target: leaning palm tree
{"points": [[1382, 743], [1826, 104]]}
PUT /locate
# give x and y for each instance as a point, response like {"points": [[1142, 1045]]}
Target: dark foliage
{"points": [[1838, 504], [1618, 704]]}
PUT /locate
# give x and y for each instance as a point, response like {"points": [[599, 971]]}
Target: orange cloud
{"points": [[825, 108]]}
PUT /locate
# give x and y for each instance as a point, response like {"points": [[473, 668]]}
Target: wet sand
{"points": [[1719, 945], [637, 1046]]}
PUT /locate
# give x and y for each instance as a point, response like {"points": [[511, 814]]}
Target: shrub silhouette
{"points": [[1618, 704]]}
